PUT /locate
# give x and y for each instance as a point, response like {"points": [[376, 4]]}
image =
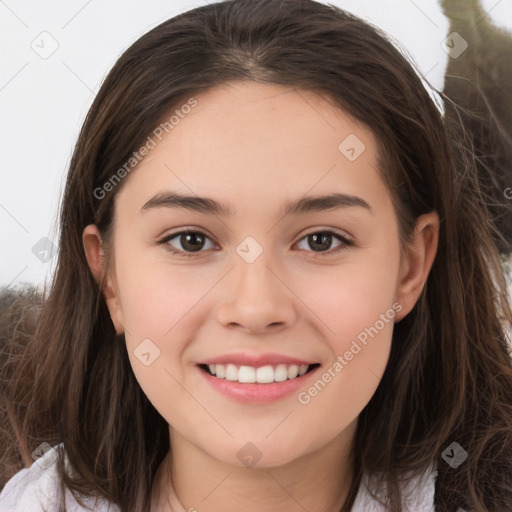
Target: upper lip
{"points": [[244, 359]]}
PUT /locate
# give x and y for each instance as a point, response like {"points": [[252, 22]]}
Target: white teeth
{"points": [[265, 374], [293, 371], [220, 371], [303, 368], [281, 373], [262, 375], [231, 372], [247, 374]]}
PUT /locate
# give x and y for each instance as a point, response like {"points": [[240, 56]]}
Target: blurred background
{"points": [[55, 55]]}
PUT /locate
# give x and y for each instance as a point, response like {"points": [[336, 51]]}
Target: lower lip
{"points": [[256, 393]]}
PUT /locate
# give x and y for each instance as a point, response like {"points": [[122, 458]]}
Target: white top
{"points": [[37, 489]]}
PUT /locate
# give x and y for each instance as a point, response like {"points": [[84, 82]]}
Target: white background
{"points": [[44, 101]]}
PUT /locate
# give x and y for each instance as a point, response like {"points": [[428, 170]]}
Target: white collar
{"points": [[29, 485]]}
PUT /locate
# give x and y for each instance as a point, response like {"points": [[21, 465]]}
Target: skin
{"points": [[256, 146]]}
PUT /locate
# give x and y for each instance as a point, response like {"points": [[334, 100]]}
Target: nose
{"points": [[257, 297]]}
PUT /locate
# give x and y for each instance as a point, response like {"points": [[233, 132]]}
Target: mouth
{"points": [[268, 374]]}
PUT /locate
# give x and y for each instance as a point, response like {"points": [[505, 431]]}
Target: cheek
{"points": [[360, 316], [156, 303], [155, 297], [159, 303], [351, 297], [355, 303]]}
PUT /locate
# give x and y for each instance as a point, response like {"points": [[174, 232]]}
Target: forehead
{"points": [[249, 140], [276, 118]]}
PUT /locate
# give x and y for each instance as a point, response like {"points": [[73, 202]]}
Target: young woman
{"points": [[277, 286]]}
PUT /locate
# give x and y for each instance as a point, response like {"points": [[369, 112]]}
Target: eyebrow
{"points": [[207, 205]]}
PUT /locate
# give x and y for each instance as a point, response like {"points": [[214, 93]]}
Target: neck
{"points": [[318, 481]]}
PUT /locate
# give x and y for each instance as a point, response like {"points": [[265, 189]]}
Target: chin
{"points": [[259, 455]]}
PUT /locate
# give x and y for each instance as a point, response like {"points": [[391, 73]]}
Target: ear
{"points": [[418, 260], [93, 247]]}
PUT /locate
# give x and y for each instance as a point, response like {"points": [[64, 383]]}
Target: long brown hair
{"points": [[449, 375], [19, 310]]}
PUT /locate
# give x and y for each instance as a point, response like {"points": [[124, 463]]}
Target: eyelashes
{"points": [[191, 237], [189, 234]]}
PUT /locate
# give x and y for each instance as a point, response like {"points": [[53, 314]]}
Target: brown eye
{"points": [[188, 242], [321, 241], [192, 241]]}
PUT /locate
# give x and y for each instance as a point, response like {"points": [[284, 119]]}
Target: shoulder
{"points": [[38, 489], [417, 494]]}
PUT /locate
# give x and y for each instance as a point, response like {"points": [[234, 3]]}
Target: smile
{"points": [[262, 375]]}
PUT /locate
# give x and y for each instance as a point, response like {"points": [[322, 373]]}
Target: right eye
{"points": [[190, 241]]}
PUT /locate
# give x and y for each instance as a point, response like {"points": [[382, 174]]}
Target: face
{"points": [[253, 284]]}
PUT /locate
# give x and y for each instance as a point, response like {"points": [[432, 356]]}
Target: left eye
{"points": [[193, 241], [323, 240], [190, 241]]}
